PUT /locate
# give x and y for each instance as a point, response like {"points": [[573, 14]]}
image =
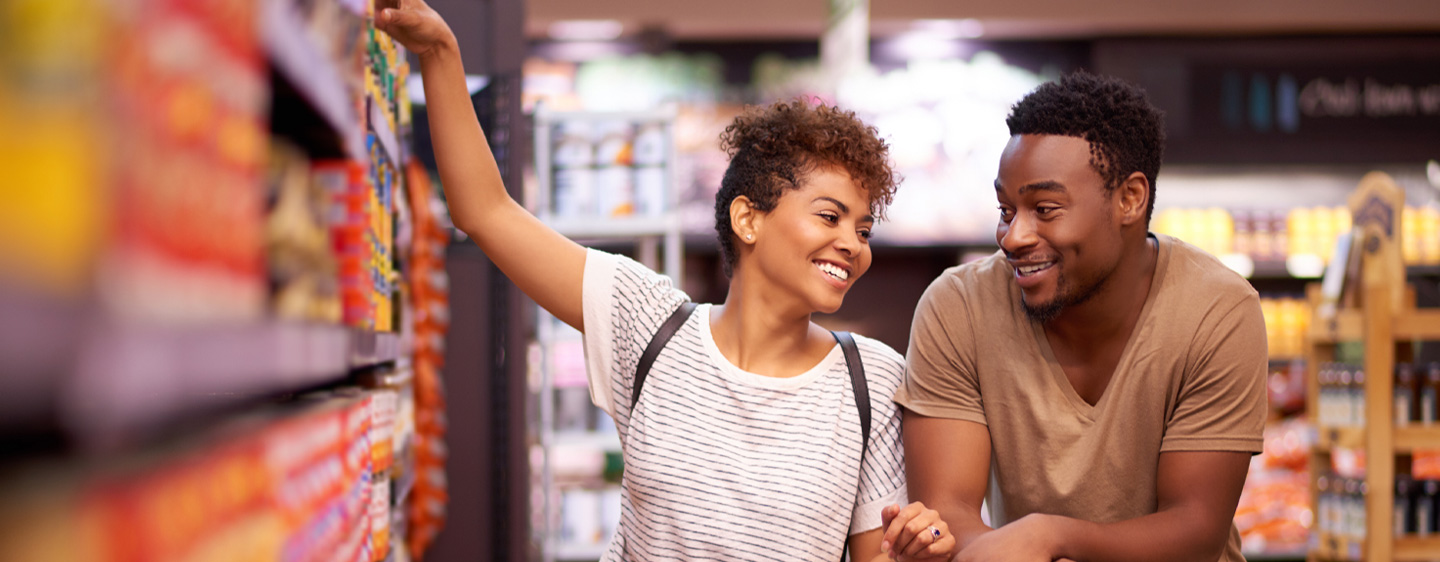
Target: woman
{"points": [[744, 443]]}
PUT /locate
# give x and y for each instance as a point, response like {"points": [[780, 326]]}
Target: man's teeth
{"points": [[834, 271], [1029, 269]]}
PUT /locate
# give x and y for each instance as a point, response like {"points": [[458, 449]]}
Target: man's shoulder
{"points": [[1195, 271], [1200, 291]]}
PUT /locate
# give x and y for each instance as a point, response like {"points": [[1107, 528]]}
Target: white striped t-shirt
{"points": [[723, 464]]}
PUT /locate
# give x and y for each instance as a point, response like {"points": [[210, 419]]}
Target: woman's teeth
{"points": [[834, 270]]}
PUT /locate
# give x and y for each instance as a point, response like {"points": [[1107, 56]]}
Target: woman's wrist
{"points": [[447, 47]]}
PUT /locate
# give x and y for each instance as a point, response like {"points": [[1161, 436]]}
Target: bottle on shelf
{"points": [[1405, 395]]}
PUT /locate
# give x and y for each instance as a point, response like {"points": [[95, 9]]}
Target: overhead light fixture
{"points": [[586, 30], [968, 28], [415, 86]]}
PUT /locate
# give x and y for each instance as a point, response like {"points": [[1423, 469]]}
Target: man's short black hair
{"points": [[1126, 133]]}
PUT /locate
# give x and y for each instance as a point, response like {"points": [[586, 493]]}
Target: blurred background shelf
{"points": [[607, 441], [576, 552], [625, 228], [99, 378], [383, 132], [303, 69]]}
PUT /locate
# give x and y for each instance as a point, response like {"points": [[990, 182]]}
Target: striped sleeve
{"points": [[882, 474], [624, 305]]}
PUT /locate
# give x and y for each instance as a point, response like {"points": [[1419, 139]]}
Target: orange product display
{"points": [[382, 456], [187, 93], [1274, 514], [287, 488], [429, 312], [346, 182]]}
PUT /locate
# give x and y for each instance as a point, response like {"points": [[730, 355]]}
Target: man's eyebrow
{"points": [[1047, 185], [843, 207]]}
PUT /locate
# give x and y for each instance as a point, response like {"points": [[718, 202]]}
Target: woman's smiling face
{"points": [[815, 243]]}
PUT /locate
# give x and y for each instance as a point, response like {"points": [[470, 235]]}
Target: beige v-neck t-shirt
{"points": [[1191, 378]]}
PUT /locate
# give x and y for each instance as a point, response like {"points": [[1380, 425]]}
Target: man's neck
{"points": [[1112, 312]]}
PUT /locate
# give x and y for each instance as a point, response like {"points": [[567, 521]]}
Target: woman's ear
{"points": [[744, 219]]}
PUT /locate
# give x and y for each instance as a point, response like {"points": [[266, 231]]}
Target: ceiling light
{"points": [[968, 28], [586, 30]]}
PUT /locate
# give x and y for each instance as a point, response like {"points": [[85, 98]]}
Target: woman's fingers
{"points": [[897, 533], [941, 549], [413, 23], [931, 534]]}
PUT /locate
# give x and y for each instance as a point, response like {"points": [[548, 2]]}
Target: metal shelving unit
{"points": [[659, 244]]}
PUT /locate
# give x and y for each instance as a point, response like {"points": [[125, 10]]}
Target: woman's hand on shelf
{"points": [[414, 24]]}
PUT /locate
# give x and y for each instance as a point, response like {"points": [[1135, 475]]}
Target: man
{"points": [[1103, 385]]}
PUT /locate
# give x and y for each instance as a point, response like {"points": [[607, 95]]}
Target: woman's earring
{"points": [[749, 236]]}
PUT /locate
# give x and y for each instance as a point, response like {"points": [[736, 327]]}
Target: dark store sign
{"points": [[1379, 113], [1266, 101], [1367, 98]]}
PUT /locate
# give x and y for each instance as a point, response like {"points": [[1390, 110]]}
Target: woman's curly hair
{"points": [[1126, 133], [773, 148]]}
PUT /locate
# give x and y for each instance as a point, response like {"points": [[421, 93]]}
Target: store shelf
{"points": [[1413, 271], [99, 377], [664, 115], [1416, 437], [607, 441], [1334, 547], [576, 552], [130, 378], [1345, 326], [383, 132], [40, 337], [1418, 325], [1407, 439], [1279, 269], [368, 348], [403, 486], [1416, 549], [1422, 324], [305, 67], [1329, 438], [613, 227], [1276, 556], [1374, 326], [1270, 269]]}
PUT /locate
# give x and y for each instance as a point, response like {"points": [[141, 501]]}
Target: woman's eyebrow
{"points": [[843, 207]]}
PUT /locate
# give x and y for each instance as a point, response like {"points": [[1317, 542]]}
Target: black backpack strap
{"points": [[662, 337], [857, 385], [862, 403]]}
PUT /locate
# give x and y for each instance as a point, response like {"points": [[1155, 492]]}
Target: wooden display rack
{"points": [[1383, 318]]}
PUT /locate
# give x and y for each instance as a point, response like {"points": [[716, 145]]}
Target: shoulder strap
{"points": [[662, 337], [862, 403], [857, 385]]}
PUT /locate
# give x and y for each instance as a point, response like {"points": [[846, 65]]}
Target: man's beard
{"points": [[1065, 295]]}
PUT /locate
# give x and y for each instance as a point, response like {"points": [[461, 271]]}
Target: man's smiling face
{"points": [[1057, 226]]}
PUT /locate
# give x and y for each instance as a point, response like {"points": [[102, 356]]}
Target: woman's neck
{"points": [[759, 333]]}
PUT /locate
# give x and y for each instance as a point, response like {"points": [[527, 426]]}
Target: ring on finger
{"points": [[934, 532]]}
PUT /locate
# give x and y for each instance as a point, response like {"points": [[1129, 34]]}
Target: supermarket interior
{"points": [[307, 361]]}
